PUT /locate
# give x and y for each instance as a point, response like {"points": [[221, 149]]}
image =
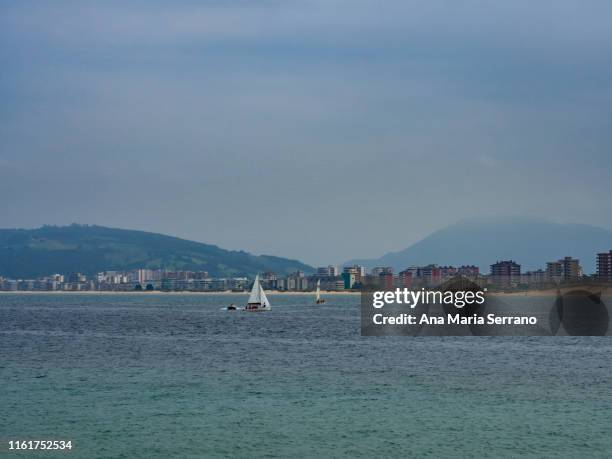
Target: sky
{"points": [[319, 130]]}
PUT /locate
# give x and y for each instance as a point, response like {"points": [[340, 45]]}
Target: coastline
{"points": [[157, 292], [534, 293]]}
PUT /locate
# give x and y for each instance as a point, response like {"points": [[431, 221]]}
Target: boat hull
{"points": [[256, 308]]}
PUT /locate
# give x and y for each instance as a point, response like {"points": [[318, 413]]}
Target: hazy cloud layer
{"points": [[320, 130]]}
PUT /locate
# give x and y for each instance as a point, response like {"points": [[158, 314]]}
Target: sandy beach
{"points": [[157, 292], [547, 292]]}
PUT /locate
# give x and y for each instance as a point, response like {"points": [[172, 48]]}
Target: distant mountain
{"points": [[481, 242], [28, 253]]}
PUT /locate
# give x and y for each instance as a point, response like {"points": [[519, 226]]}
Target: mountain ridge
{"points": [[530, 242], [26, 253]]}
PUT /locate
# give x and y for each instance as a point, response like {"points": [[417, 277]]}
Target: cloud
{"points": [[518, 24], [343, 120]]}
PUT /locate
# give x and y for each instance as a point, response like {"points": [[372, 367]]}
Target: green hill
{"points": [[29, 253]]}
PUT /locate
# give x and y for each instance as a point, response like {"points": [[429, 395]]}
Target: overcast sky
{"points": [[318, 130]]}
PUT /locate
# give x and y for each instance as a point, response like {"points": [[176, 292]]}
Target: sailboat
{"points": [[318, 299], [257, 300]]}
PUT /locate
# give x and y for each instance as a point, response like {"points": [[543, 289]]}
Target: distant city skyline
{"points": [[504, 274], [306, 130]]}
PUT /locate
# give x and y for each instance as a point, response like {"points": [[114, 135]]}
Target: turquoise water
{"points": [[156, 376]]}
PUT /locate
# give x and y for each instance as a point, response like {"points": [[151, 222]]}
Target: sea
{"points": [[175, 375]]}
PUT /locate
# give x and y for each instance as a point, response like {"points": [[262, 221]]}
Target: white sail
{"points": [[263, 298], [318, 297], [255, 296], [258, 300]]}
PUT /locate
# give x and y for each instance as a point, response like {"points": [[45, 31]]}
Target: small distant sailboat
{"points": [[257, 300], [318, 299]]}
